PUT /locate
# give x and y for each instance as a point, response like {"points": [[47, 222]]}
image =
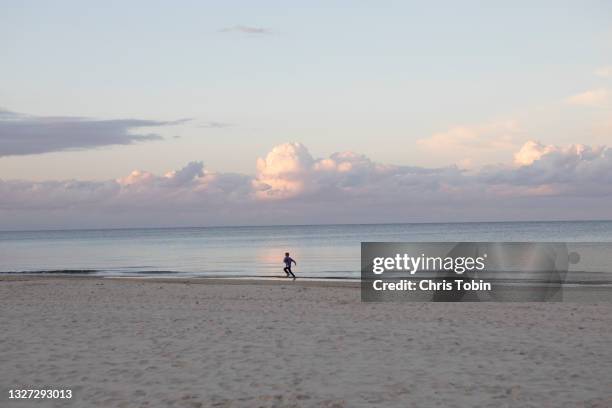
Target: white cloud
{"points": [[604, 72], [281, 174], [137, 177], [474, 143], [530, 152], [594, 97], [533, 151], [560, 171]]}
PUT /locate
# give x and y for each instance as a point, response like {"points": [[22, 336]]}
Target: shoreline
{"points": [[310, 282], [572, 293], [528, 221]]}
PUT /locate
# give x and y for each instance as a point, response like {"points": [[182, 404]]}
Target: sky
{"points": [[152, 113]]}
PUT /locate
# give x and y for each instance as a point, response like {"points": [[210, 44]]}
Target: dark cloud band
{"points": [[24, 134]]}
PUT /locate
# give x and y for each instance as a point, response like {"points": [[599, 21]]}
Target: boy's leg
{"points": [[290, 272], [286, 270]]}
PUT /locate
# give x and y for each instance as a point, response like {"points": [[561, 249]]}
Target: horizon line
{"points": [[299, 225]]}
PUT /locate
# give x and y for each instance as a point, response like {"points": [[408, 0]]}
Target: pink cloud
{"points": [[292, 186]]}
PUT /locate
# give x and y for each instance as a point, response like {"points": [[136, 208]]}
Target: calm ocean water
{"points": [[322, 251]]}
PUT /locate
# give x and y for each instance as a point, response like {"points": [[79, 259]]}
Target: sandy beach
{"points": [[222, 343]]}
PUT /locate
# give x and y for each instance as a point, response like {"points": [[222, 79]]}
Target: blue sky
{"points": [[427, 84], [363, 76]]}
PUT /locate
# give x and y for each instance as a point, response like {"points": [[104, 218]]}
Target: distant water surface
{"points": [[322, 251]]}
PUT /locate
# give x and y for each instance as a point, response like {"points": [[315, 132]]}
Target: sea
{"points": [[321, 251]]}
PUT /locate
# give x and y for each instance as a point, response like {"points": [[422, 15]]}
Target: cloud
{"points": [[247, 30], [604, 72], [594, 97], [492, 135], [291, 186], [214, 125], [473, 142], [532, 151], [558, 171], [25, 134], [283, 172]]}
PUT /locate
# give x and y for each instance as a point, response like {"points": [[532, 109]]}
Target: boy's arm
{"points": [[294, 261]]}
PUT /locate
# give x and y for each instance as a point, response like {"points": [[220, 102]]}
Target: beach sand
{"points": [[223, 343]]}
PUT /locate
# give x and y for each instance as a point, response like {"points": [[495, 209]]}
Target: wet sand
{"points": [[252, 343]]}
